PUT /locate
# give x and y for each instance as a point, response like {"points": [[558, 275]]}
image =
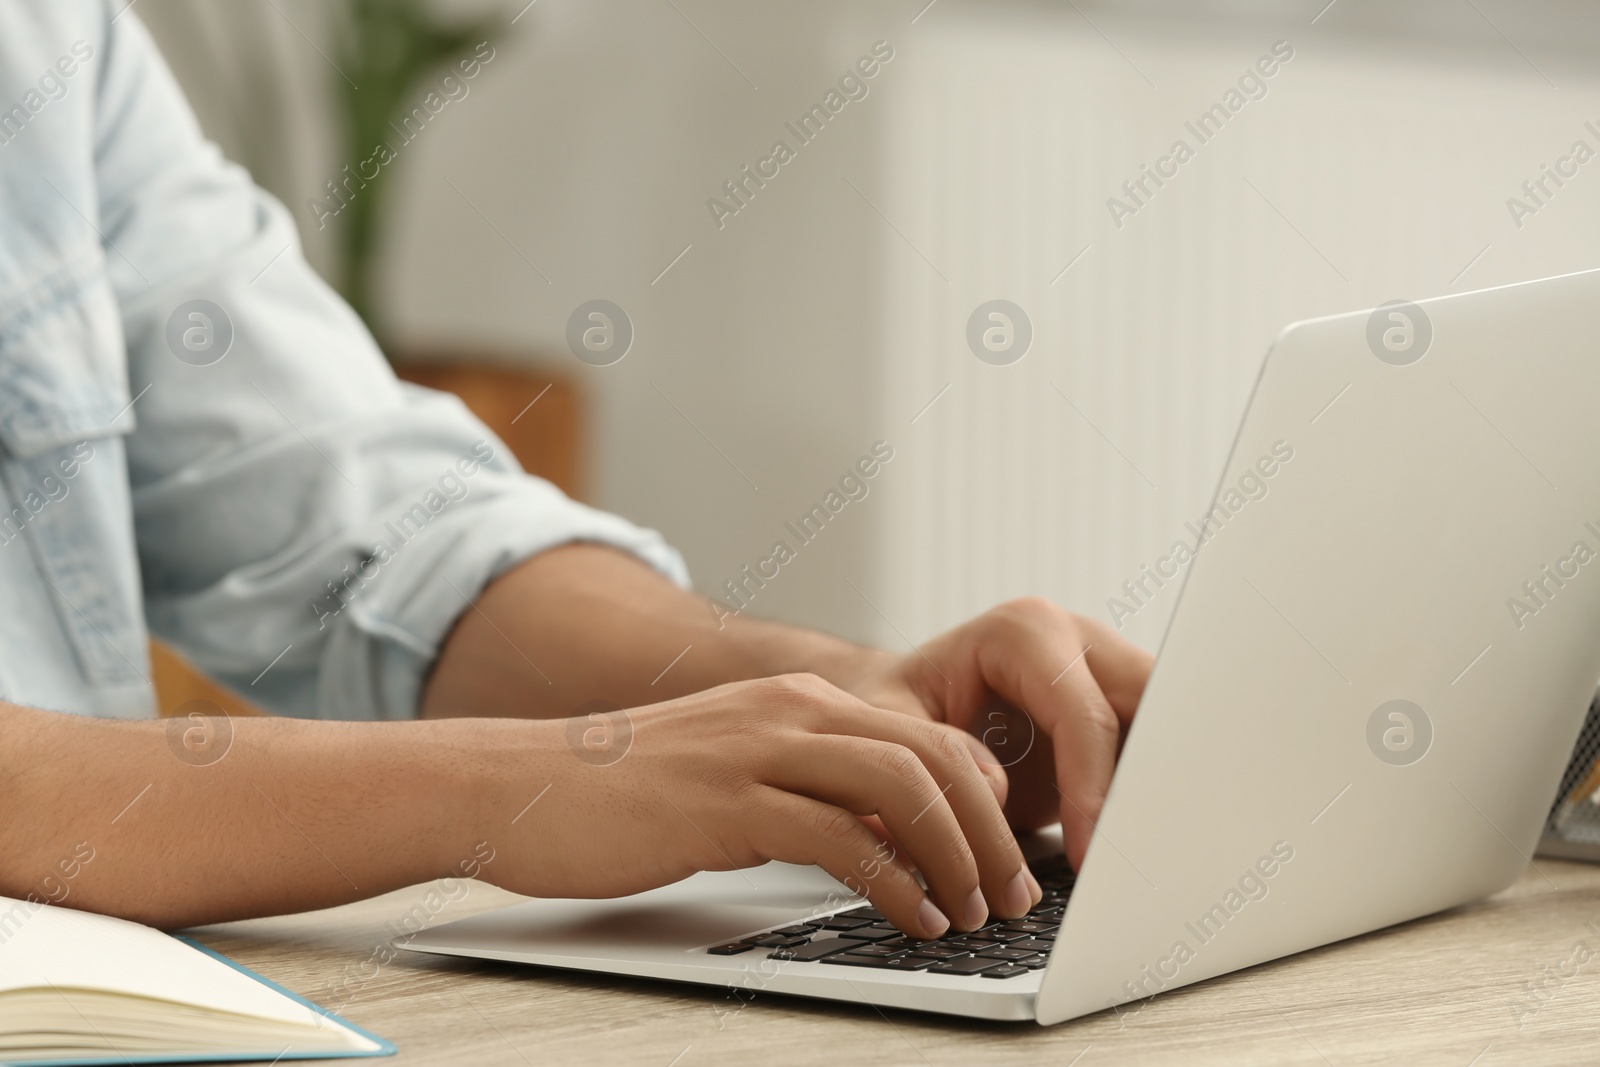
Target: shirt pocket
{"points": [[63, 363], [64, 409]]}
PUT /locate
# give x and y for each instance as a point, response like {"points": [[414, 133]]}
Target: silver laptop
{"points": [[1374, 674]]}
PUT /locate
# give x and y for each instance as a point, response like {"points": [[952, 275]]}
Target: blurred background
{"points": [[778, 337]]}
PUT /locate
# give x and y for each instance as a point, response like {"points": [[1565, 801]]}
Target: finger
{"points": [[962, 801], [1022, 749], [1084, 728], [1119, 666], [1085, 736], [880, 831], [1032, 657], [993, 771], [1008, 885], [797, 829], [867, 777], [1014, 653]]}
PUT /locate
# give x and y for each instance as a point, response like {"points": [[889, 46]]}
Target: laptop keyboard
{"points": [[859, 937]]}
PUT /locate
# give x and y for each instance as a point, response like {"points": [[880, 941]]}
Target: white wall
{"points": [[1383, 171], [811, 325]]}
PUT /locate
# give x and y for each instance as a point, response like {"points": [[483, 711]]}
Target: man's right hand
{"points": [[788, 768], [284, 815]]}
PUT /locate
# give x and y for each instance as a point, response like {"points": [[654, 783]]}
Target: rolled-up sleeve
{"points": [[308, 527]]}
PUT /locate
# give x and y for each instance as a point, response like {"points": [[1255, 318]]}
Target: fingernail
{"points": [[934, 924], [1033, 884], [975, 911], [1019, 898]]}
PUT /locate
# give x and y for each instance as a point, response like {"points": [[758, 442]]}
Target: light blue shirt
{"points": [[198, 435]]}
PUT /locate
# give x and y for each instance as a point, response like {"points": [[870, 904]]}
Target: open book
{"points": [[82, 988]]}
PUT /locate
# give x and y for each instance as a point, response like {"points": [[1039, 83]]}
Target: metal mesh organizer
{"points": [[1572, 830]]}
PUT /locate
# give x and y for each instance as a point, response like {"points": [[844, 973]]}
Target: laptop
{"points": [[1380, 656]]}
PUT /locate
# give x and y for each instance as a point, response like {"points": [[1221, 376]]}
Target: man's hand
{"points": [[296, 815], [1050, 694], [292, 815], [788, 768]]}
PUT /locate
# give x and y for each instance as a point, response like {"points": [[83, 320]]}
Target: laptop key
{"points": [[1009, 970], [876, 932], [797, 930], [966, 943], [886, 963], [810, 951], [1032, 944], [844, 922], [869, 913], [867, 948], [940, 952], [1033, 963], [1030, 927], [999, 953], [994, 937], [777, 941], [732, 948], [964, 965], [906, 963]]}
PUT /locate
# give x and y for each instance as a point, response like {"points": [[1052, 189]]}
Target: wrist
{"points": [[854, 666], [764, 649], [497, 767]]}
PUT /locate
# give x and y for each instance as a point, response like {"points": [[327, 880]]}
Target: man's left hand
{"points": [[1046, 696]]}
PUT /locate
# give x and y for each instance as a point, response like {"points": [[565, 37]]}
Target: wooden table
{"points": [[1496, 983]]}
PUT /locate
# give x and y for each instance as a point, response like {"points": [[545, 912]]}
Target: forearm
{"points": [[295, 815], [583, 623]]}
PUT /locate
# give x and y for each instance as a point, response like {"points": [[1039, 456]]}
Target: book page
{"points": [[43, 946]]}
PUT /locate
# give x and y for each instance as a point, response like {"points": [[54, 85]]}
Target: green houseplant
{"points": [[385, 50]]}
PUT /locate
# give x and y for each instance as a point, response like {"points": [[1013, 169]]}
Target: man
{"points": [[196, 432]]}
